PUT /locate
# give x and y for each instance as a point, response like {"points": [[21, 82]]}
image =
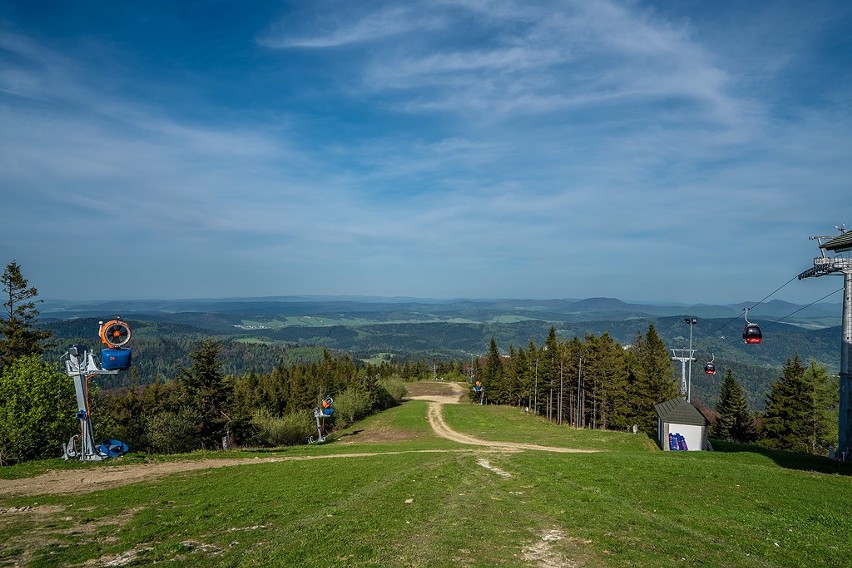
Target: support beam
{"points": [[845, 425]]}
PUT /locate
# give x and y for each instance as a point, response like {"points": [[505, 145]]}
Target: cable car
{"points": [[709, 367], [751, 332]]}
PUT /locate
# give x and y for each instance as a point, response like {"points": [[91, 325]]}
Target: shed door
{"points": [[692, 435]]}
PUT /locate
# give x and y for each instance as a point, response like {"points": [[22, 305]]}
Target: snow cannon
{"points": [[115, 334], [327, 409]]}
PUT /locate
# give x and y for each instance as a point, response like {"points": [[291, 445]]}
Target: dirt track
{"points": [[105, 477]]}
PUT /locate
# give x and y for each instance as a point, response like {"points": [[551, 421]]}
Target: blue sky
{"points": [[673, 151]]}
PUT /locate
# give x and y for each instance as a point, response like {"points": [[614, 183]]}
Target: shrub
{"points": [[36, 409], [391, 392], [288, 430], [352, 404], [172, 432]]}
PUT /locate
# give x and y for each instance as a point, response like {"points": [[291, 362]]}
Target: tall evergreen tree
{"points": [[652, 378], [492, 374], [521, 370], [548, 373], [17, 322], [789, 407], [607, 364], [823, 394], [207, 391], [735, 421]]}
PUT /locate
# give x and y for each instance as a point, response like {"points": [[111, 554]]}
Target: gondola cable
{"points": [[728, 322], [804, 307]]}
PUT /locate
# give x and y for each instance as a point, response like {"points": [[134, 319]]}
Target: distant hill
{"points": [[259, 331]]}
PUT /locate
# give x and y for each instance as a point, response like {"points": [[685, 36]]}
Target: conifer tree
{"points": [[789, 405], [492, 374], [207, 390], [823, 394], [652, 378], [735, 421], [520, 368], [18, 318]]}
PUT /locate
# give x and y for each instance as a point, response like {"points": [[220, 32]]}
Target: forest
{"points": [[190, 389]]}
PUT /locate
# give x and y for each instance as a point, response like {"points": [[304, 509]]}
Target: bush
{"points": [[172, 432], [36, 410], [352, 404], [287, 430], [391, 392]]}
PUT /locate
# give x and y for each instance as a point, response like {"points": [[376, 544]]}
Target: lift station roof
{"points": [[843, 243]]}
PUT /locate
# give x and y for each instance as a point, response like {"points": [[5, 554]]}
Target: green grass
{"points": [[630, 505], [508, 424]]}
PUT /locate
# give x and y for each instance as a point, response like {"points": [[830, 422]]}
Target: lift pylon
{"points": [[684, 356], [823, 266]]}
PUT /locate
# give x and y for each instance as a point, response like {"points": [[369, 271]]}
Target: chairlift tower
{"points": [[684, 356], [825, 265]]}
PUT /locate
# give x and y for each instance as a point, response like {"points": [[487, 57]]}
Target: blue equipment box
{"points": [[115, 359]]}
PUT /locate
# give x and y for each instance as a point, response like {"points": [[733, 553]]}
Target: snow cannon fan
{"points": [[327, 409], [115, 334]]}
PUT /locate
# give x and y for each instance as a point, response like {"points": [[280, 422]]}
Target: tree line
{"points": [[200, 407], [598, 383], [593, 383]]}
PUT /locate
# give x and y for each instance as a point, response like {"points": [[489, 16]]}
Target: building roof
{"points": [[678, 411], [842, 243]]}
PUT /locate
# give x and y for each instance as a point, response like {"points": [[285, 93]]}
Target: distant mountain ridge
{"points": [[477, 310], [258, 331]]}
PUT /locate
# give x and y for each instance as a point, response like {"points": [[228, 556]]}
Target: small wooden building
{"points": [[680, 426]]}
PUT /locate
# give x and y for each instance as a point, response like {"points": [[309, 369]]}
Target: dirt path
{"points": [[436, 420], [107, 476], [60, 482]]}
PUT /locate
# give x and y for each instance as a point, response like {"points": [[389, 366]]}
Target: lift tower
{"points": [[824, 265]]}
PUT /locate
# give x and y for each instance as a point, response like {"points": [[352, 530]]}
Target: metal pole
{"points": [[691, 322], [559, 413], [579, 374], [844, 434]]}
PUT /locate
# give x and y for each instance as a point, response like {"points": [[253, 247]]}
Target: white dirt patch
{"points": [[487, 465], [541, 552], [122, 559]]}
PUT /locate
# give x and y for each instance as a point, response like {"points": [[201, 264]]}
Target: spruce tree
{"points": [[17, 322], [492, 380], [734, 421], [823, 395], [207, 391], [787, 418], [653, 380]]}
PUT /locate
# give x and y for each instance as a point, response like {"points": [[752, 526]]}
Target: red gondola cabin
{"points": [[751, 333]]}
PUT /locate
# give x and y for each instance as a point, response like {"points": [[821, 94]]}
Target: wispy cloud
{"points": [[350, 26], [451, 147]]}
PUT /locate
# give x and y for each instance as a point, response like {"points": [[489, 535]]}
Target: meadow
{"points": [[388, 492]]}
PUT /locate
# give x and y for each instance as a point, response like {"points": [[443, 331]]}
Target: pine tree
{"points": [[521, 370], [552, 371], [17, 323], [789, 405], [492, 374], [207, 391], [824, 398], [652, 381], [735, 421]]}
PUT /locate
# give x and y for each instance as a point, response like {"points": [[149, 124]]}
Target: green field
{"points": [[388, 492]]}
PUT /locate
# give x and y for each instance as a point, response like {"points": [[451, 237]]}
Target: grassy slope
{"points": [[630, 505]]}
